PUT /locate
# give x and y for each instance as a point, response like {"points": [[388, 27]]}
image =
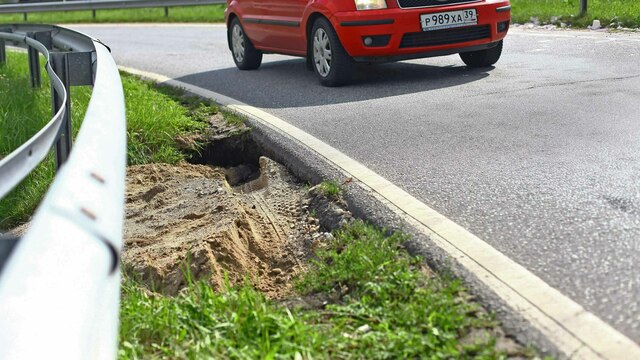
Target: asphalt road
{"points": [[539, 156]]}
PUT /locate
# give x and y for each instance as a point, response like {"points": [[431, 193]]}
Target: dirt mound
{"points": [[189, 214]]}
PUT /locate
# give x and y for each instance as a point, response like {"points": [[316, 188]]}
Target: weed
{"points": [[330, 188], [234, 119]]}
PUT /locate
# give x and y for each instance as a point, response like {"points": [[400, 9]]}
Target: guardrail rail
{"points": [[60, 282]]}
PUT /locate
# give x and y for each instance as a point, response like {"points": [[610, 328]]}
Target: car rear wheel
{"points": [[245, 55], [482, 58], [330, 61]]}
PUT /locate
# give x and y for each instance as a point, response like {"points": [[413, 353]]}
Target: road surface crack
{"points": [[619, 78]]}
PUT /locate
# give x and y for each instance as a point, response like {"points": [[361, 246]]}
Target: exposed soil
{"points": [[18, 231], [190, 214], [232, 214]]}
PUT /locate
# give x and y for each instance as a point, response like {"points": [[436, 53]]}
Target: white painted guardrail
{"points": [[60, 283]]}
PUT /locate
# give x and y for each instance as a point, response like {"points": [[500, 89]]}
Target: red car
{"points": [[333, 34]]}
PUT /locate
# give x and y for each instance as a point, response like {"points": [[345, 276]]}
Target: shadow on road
{"points": [[287, 83]]}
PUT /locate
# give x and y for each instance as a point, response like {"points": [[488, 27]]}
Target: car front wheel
{"points": [[245, 55], [331, 63], [482, 58]]}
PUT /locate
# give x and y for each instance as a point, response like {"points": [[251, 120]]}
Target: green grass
{"points": [[330, 188], [154, 121], [233, 118], [383, 306], [626, 12], [23, 112], [201, 109], [199, 323], [205, 14]]}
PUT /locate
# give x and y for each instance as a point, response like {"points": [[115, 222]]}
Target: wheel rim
{"points": [[322, 52], [237, 43]]}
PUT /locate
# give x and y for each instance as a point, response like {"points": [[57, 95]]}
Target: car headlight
{"points": [[370, 4]]}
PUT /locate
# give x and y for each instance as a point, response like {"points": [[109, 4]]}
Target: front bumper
{"points": [[394, 23]]}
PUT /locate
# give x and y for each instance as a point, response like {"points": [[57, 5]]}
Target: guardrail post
{"points": [[3, 52], [43, 37], [166, 11], [63, 145], [583, 7], [34, 64], [3, 46], [82, 74]]}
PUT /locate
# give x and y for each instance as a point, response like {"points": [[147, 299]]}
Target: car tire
{"points": [[244, 54], [330, 61], [482, 58]]}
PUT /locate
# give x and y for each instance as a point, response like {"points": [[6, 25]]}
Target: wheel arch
{"points": [[230, 17], [311, 19]]}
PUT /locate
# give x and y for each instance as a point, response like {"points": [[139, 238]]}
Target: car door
{"points": [[284, 25], [252, 15]]}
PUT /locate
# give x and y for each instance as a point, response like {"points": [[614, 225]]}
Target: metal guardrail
{"points": [[60, 284], [17, 165], [101, 5]]}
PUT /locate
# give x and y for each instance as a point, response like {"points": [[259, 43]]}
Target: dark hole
{"points": [[238, 154]]}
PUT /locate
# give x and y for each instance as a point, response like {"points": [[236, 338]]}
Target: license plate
{"points": [[449, 19]]}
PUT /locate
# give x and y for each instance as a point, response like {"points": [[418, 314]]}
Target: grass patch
{"points": [[233, 118], [199, 323], [625, 12], [330, 188], [156, 118], [154, 121], [201, 109], [383, 307], [204, 14]]}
